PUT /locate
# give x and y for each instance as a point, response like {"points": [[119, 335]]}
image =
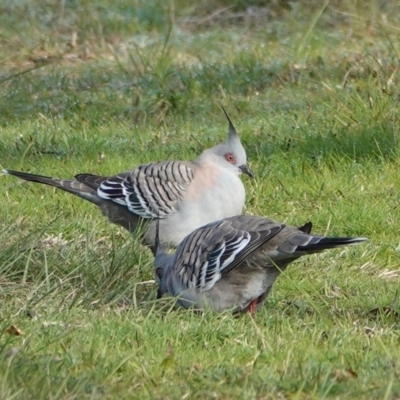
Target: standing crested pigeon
{"points": [[233, 263], [185, 195]]}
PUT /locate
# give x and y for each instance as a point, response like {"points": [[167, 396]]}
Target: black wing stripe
{"points": [[257, 240]]}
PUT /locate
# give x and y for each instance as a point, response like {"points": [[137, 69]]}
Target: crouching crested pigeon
{"points": [[184, 195], [233, 263]]}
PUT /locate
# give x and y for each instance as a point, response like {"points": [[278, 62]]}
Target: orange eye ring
{"points": [[230, 158]]}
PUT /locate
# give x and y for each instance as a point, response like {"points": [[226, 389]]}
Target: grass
{"points": [[102, 87]]}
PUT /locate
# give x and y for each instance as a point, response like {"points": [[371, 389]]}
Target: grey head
{"points": [[230, 154]]}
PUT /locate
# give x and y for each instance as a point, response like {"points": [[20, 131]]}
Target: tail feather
{"points": [[69, 185], [319, 243], [85, 187]]}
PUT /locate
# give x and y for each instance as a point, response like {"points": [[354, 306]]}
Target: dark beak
{"points": [[159, 293], [246, 170]]}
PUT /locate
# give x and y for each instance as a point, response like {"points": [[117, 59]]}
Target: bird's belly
{"points": [[237, 292]]}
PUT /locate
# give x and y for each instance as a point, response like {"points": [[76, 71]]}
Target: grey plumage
{"points": [[184, 194], [233, 263]]}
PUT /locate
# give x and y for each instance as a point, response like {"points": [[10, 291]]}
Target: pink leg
{"points": [[252, 307]]}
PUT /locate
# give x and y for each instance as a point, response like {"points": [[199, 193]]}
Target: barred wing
{"points": [[210, 252], [151, 190]]}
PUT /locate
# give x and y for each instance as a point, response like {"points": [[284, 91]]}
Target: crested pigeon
{"points": [[184, 195], [233, 263]]}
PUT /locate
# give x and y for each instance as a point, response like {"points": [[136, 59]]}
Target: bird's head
{"points": [[230, 154]]}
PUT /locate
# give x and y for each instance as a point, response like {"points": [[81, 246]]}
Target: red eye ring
{"points": [[230, 158]]}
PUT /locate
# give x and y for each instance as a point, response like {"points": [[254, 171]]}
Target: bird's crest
{"points": [[233, 134]]}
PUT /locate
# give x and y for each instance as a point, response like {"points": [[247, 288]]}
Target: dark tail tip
{"points": [[27, 176], [11, 172], [343, 241], [330, 243]]}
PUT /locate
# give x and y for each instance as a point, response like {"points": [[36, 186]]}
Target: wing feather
{"points": [[151, 190], [212, 251]]}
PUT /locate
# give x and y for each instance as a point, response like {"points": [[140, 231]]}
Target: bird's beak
{"points": [[246, 170], [159, 293]]}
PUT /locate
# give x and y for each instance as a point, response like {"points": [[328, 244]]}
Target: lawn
{"points": [[313, 88]]}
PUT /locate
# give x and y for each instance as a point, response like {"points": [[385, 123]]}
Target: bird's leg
{"points": [[252, 307]]}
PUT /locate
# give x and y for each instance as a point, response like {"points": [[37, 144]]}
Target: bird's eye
{"points": [[159, 273], [230, 158]]}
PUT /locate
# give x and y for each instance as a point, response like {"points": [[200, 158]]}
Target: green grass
{"points": [[313, 90]]}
